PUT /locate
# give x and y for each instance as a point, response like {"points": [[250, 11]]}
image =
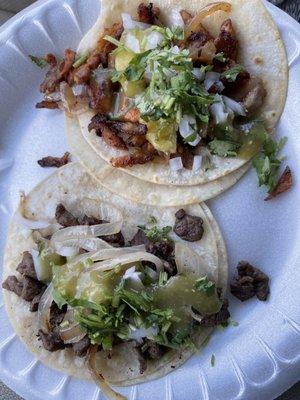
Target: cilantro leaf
{"points": [[206, 286], [156, 234], [220, 57], [232, 73], [224, 148], [151, 220], [39, 61], [191, 138]]}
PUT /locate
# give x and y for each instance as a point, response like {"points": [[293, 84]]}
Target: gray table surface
{"points": [[8, 8]]}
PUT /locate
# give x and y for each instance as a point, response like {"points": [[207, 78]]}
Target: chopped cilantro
{"points": [[191, 138], [156, 234], [212, 360], [151, 220], [206, 286], [39, 61], [80, 60], [163, 278], [232, 73], [220, 57], [224, 148]]}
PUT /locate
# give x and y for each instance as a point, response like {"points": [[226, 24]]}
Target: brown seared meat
{"points": [[12, 284], [148, 13], [165, 251], [255, 96], [111, 138], [115, 240], [250, 282], [130, 160], [64, 217], [132, 115], [51, 80], [31, 288], [186, 16], [82, 74], [100, 95], [51, 341], [201, 47], [284, 183], [26, 266], [51, 105], [217, 319], [51, 59], [188, 227], [56, 162], [56, 316], [80, 348], [131, 128], [140, 238], [67, 63], [97, 122], [226, 42], [154, 351]]}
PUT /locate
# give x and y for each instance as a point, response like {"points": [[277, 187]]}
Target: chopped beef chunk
{"points": [[201, 47], [56, 162], [26, 266], [51, 105], [148, 13], [154, 350], [97, 122], [284, 183], [80, 348], [86, 220], [51, 341], [188, 227], [51, 80], [101, 95], [133, 115], [164, 251], [255, 96], [131, 128], [226, 42], [34, 304], [31, 288], [250, 281], [12, 284], [129, 160], [217, 319], [67, 63], [64, 217], [186, 154], [116, 240], [82, 74], [112, 139], [56, 316], [140, 238], [51, 59], [186, 16]]}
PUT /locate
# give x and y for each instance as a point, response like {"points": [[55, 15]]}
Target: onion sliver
{"points": [[104, 211], [127, 259], [30, 223], [195, 23], [73, 332], [236, 107], [44, 308], [88, 244], [98, 377]]}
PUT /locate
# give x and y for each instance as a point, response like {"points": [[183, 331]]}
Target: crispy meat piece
{"points": [[97, 122], [64, 217], [165, 251], [80, 348], [226, 42], [26, 266], [31, 288], [116, 240], [101, 95], [132, 128], [34, 304], [112, 139], [284, 183], [51, 341], [56, 162], [148, 13], [188, 227], [217, 319], [51, 59], [86, 220], [56, 316], [12, 284], [51, 80], [201, 46], [67, 63], [250, 281], [186, 155], [51, 105], [255, 96], [132, 115], [82, 74], [154, 350], [140, 238], [132, 159], [186, 16]]}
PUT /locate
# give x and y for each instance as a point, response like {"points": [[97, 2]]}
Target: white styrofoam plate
{"points": [[260, 358]]}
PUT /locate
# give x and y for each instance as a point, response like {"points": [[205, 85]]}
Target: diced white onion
{"points": [[132, 43], [197, 163], [211, 78], [148, 73], [129, 23], [185, 126], [175, 50], [236, 107], [174, 18], [78, 90], [153, 40], [176, 164], [198, 73], [134, 278], [139, 333], [218, 112]]}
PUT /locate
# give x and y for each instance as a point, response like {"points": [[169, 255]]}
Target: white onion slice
{"points": [[132, 43], [129, 23], [72, 333], [67, 251], [30, 223], [104, 211], [153, 40], [153, 274], [127, 259], [211, 78], [56, 96], [176, 164], [197, 163], [174, 19], [44, 308], [139, 333], [134, 277], [236, 107]]}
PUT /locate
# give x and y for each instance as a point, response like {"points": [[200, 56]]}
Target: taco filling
{"points": [[171, 94], [101, 296]]}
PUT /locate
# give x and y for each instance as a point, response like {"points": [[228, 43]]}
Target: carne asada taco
{"points": [[176, 93], [90, 278], [136, 189]]}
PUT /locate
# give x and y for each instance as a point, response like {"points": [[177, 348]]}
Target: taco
{"points": [[89, 281], [177, 93]]}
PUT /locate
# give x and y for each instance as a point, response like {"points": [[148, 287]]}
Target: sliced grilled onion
{"points": [[44, 308], [72, 246], [72, 333], [104, 211], [98, 377], [69, 102], [22, 220], [236, 107], [176, 164], [195, 23], [129, 23], [195, 316], [127, 259]]}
